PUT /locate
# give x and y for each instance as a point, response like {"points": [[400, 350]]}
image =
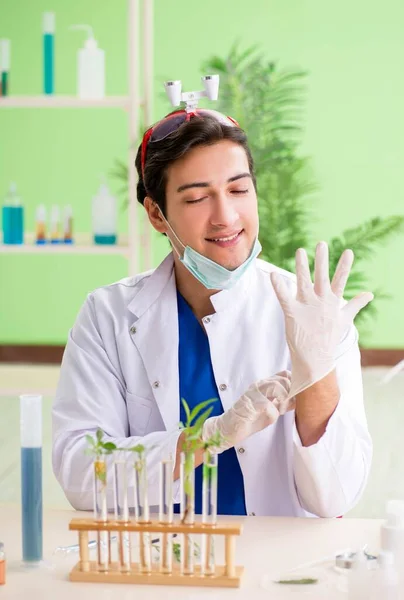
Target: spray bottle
{"points": [[90, 67]]}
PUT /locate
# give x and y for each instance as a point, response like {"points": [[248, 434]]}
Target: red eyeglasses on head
{"points": [[173, 121]]}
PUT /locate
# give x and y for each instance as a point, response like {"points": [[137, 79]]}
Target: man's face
{"points": [[211, 203]]}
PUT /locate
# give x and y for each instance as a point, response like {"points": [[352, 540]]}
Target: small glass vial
{"points": [[2, 565]]}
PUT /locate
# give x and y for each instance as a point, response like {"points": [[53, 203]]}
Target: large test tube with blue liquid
{"points": [[31, 477]]}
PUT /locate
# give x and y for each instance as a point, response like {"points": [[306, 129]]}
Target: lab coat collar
{"points": [[158, 280], [153, 287], [227, 299]]}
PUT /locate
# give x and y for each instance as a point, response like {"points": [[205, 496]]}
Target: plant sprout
{"points": [[98, 448]]}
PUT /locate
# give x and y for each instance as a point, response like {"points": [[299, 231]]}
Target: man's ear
{"points": [[154, 214]]}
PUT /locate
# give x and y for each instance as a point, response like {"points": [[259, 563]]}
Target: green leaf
{"points": [[139, 448], [197, 426], [90, 440], [100, 435], [199, 407], [109, 446], [187, 410]]}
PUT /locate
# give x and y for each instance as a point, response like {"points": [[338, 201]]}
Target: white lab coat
{"points": [[120, 373]]}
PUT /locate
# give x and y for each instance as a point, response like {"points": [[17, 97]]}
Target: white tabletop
{"points": [[268, 546]]}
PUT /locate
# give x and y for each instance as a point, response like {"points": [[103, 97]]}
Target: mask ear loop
{"points": [[172, 231]]}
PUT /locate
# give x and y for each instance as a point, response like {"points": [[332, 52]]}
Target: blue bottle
{"points": [[48, 52], [13, 218], [7, 219]]}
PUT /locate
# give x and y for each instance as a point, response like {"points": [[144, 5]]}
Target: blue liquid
{"points": [[105, 239], [31, 500], [48, 62], [18, 224], [7, 217], [13, 224], [4, 84]]}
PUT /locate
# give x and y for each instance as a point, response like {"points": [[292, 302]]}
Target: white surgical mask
{"points": [[212, 275]]}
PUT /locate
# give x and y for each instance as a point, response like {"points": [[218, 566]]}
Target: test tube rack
{"points": [[227, 575]]}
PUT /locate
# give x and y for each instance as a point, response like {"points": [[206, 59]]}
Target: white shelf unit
{"points": [[82, 245], [63, 102], [138, 11]]}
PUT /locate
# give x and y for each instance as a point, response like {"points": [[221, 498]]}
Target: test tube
{"points": [[209, 510], [31, 477], [101, 511], [68, 224], [55, 225], [122, 512], [187, 483], [48, 27], [166, 513], [4, 67], [142, 513]]}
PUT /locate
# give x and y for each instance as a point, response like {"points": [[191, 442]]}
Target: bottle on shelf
{"points": [[68, 225], [13, 217], [4, 67], [90, 67], [48, 52], [40, 225], [55, 233], [104, 216]]}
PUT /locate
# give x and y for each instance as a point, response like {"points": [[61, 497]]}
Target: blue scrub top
{"points": [[197, 383]]}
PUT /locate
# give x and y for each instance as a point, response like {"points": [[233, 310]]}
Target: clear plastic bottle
{"points": [[104, 216], [392, 531], [385, 579], [90, 67]]}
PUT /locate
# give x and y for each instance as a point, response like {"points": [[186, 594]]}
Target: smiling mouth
{"points": [[228, 238]]}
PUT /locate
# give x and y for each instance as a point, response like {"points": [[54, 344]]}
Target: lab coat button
{"points": [[156, 384], [133, 329], [241, 450], [206, 320], [222, 387]]}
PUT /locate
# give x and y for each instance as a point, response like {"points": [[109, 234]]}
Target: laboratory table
{"points": [[268, 548]]}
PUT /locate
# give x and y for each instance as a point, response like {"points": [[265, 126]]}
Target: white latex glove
{"points": [[316, 318], [259, 407]]}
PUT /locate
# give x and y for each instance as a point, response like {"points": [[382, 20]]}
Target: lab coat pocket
{"points": [[139, 413]]}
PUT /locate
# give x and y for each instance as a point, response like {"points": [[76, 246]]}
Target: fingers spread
{"points": [[342, 273], [321, 270], [281, 290], [352, 308], [304, 284]]}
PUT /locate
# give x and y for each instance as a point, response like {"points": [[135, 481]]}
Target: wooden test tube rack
{"points": [[227, 575]]}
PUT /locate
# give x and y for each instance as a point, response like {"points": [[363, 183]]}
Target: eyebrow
{"points": [[204, 184]]}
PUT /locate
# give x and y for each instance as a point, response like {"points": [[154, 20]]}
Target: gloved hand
{"points": [[259, 407], [316, 317]]}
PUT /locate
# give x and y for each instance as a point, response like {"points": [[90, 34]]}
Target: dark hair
{"points": [[161, 154]]}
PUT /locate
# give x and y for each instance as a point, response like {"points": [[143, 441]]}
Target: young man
{"points": [[213, 321]]}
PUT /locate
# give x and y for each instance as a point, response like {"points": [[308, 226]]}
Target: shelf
{"points": [[54, 101], [82, 245]]}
